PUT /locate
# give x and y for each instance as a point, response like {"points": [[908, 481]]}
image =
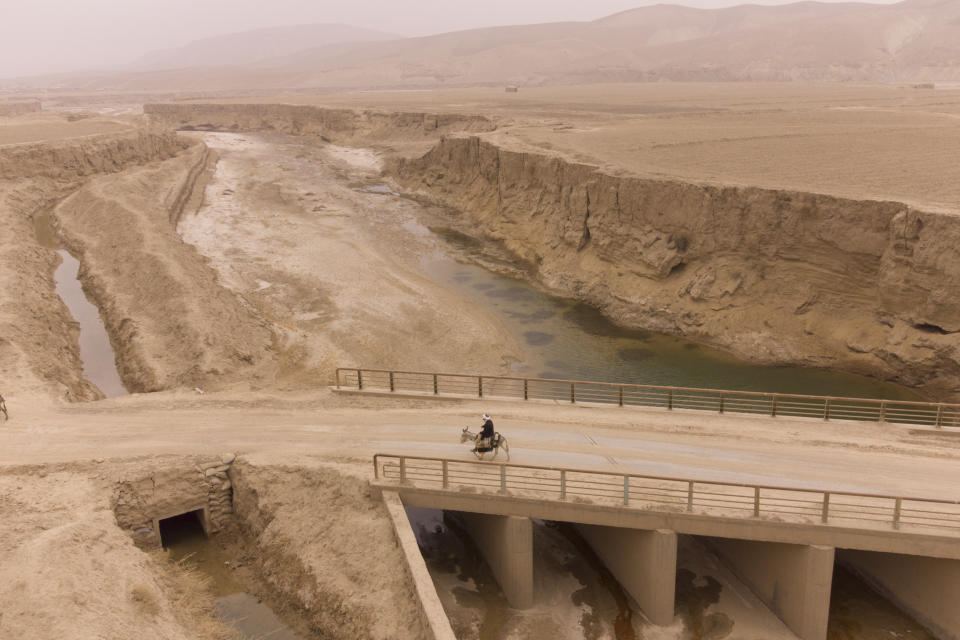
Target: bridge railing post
{"points": [[620, 402], [939, 416], [721, 403], [479, 386], [825, 512], [573, 392], [773, 407], [756, 502], [359, 380], [626, 490], [883, 412], [446, 475], [436, 385], [826, 408], [898, 505], [503, 478], [403, 470], [526, 393], [670, 399], [690, 495], [563, 484], [391, 382]]}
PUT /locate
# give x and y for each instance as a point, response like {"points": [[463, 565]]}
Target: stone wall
{"points": [[140, 501]]}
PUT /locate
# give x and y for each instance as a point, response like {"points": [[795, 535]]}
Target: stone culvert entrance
{"points": [[159, 499]]}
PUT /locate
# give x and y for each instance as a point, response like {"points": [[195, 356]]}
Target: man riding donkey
{"points": [[485, 437]]}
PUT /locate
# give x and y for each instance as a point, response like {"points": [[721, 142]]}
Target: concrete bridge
{"points": [[781, 541]]}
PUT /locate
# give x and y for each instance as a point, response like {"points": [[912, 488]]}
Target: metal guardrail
{"points": [[714, 400], [673, 494]]}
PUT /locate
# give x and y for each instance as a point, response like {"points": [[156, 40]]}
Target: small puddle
{"points": [[185, 543]]}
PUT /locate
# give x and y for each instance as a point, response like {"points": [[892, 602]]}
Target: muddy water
{"points": [[96, 353], [569, 340], [185, 542]]}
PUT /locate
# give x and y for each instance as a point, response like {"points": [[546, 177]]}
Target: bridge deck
{"points": [[776, 513]]}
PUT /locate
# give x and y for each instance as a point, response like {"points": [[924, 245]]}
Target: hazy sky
{"points": [[41, 36]]}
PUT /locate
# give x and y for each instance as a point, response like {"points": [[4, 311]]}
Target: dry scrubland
{"points": [[787, 224]]}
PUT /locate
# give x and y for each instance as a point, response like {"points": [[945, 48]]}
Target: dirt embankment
{"points": [[328, 547], [38, 337], [170, 321], [773, 276]]}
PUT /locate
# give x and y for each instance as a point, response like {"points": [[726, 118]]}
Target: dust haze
{"points": [[54, 36]]}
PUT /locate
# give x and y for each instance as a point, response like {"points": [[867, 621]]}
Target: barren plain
{"points": [[237, 265]]}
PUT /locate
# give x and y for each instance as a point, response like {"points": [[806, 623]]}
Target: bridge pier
{"points": [[794, 580], [644, 562], [506, 543], [926, 588]]}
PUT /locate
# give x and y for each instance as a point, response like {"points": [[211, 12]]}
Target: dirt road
{"points": [[851, 456]]}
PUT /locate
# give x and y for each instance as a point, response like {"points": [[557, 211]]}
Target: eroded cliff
{"points": [[773, 276]]}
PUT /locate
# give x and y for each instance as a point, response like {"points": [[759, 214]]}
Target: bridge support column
{"points": [[926, 588], [506, 543], [794, 580], [644, 562]]}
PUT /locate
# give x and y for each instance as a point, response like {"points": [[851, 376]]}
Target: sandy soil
{"points": [[349, 287]]}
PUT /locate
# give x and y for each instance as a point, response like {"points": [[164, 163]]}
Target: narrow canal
{"points": [[96, 352]]}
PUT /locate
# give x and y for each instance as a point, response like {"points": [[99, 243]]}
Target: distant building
{"points": [[511, 89]]}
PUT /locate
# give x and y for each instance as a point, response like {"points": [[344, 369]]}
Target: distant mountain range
{"points": [[251, 47], [911, 41]]}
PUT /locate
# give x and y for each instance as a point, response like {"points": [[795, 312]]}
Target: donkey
{"points": [[499, 442]]}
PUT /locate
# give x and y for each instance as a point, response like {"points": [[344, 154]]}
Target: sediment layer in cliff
{"points": [[772, 276]]}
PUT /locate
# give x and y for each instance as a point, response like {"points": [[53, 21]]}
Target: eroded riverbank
{"points": [[773, 276], [395, 269]]}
